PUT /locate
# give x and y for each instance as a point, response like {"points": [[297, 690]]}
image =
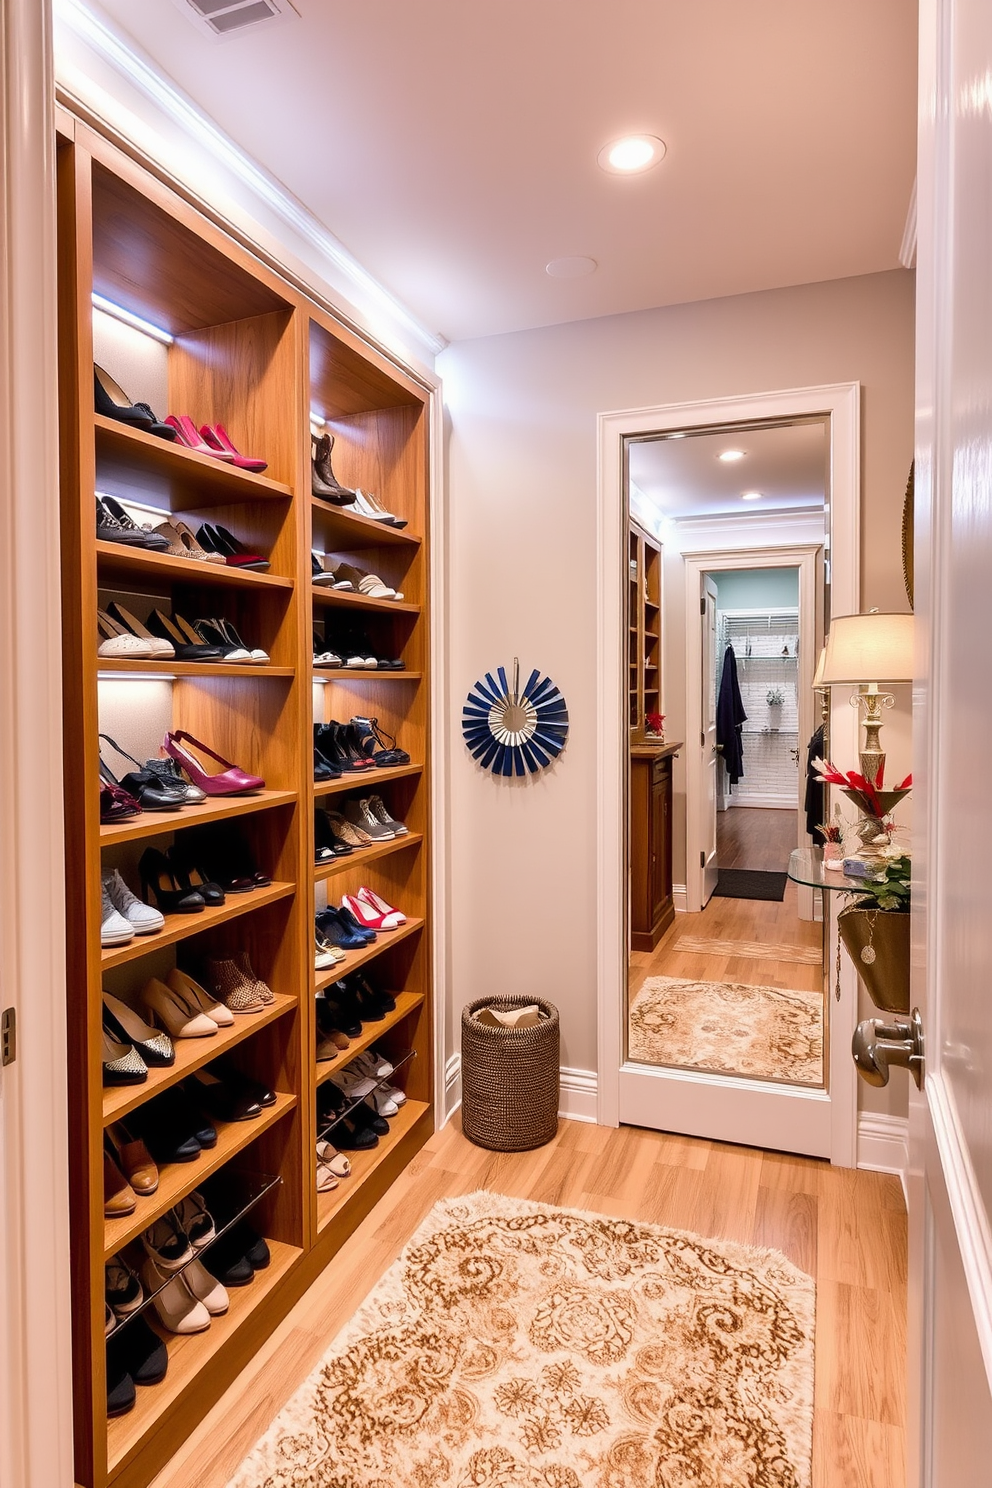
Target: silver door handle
{"points": [[877, 1045]]}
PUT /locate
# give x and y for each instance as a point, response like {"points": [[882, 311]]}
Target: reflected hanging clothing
{"points": [[816, 794], [730, 717]]}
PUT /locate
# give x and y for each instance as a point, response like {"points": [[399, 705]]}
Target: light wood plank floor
{"points": [[750, 920], [756, 837], [847, 1229]]}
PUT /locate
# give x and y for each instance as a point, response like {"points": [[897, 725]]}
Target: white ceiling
{"points": [[451, 144], [686, 478]]}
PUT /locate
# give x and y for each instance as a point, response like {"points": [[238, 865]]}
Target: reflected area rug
{"points": [[768, 1033], [516, 1345]]}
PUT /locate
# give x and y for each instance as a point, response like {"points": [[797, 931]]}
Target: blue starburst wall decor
{"points": [[510, 731]]}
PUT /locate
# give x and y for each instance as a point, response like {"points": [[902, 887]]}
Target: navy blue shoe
{"points": [[333, 928], [355, 925]]}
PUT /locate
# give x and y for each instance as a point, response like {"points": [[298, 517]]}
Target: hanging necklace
{"points": [[868, 951]]}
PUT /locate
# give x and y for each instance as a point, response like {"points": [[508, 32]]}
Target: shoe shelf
{"points": [[202, 669], [363, 855], [135, 466], [138, 564], [191, 1353], [192, 1054], [176, 1180], [353, 780], [354, 959], [364, 1165], [335, 599], [361, 674], [181, 926], [406, 1003], [221, 808], [337, 528]]}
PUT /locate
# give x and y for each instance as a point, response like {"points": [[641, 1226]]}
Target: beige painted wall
{"points": [[522, 491]]}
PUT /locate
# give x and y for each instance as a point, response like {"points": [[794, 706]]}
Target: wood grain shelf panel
{"points": [[335, 599], [364, 1164], [191, 1054], [355, 959], [353, 780], [361, 674], [343, 531], [176, 1180], [363, 855], [406, 1003], [202, 669], [221, 808], [190, 1354], [182, 926], [116, 560], [132, 464]]}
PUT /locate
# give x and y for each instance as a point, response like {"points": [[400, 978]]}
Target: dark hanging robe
{"points": [[730, 717], [816, 794]]}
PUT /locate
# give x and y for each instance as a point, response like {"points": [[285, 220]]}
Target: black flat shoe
{"points": [[223, 1101], [149, 789], [226, 1260], [236, 1080], [172, 897], [352, 1136], [142, 1353], [153, 541], [110, 400], [121, 1394], [108, 529]]}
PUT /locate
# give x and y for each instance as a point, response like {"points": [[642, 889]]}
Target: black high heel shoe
{"points": [[151, 792], [158, 875], [165, 626], [217, 539], [111, 401], [191, 876]]}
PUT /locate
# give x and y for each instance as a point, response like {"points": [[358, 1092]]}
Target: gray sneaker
{"points": [[114, 928], [360, 814], [378, 810]]}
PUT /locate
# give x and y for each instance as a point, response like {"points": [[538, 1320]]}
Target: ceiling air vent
{"points": [[221, 19]]}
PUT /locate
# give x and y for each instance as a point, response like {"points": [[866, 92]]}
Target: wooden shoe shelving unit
{"points": [[247, 349]]}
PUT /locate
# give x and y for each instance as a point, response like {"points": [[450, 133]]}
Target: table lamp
{"points": [[864, 650]]}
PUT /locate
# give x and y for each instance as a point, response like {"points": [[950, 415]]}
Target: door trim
{"points": [[842, 403], [696, 565]]}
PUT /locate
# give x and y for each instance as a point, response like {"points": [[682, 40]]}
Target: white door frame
{"points": [[804, 558], [841, 404]]}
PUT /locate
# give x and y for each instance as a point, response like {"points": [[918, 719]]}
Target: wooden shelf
{"points": [[341, 530], [406, 1003], [364, 1164], [191, 1054], [353, 780], [182, 926], [117, 560], [355, 959], [191, 1353], [220, 808], [365, 674], [176, 1180], [202, 669], [363, 855], [134, 465], [336, 599]]}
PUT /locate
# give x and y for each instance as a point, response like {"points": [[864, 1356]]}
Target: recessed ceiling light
{"points": [[571, 268], [751, 495], [635, 152], [729, 455]]}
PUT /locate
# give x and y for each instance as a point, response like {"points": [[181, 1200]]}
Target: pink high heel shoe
{"points": [[219, 443], [186, 435], [231, 781], [371, 912]]}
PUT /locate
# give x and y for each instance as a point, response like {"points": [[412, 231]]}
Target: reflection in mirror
{"points": [[725, 579]]}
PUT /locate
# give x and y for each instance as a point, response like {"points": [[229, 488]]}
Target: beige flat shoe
{"points": [[333, 1159]]}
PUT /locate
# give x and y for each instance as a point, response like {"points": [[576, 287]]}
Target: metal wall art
{"points": [[509, 731]]}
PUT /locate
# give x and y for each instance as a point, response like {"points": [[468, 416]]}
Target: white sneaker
{"points": [[353, 1083], [395, 1094], [370, 1062], [143, 918], [384, 1104], [114, 928]]}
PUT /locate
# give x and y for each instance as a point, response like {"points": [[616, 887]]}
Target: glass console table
{"points": [[806, 866]]}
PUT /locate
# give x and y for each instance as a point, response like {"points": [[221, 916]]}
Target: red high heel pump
{"points": [[186, 435], [231, 781], [219, 441]]}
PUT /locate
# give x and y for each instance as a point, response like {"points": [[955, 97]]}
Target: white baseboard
{"points": [[777, 803], [681, 897], [578, 1094], [883, 1144]]}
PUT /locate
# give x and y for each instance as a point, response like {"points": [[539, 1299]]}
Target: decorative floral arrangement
{"points": [[831, 831], [654, 723], [888, 886], [775, 697], [865, 794]]}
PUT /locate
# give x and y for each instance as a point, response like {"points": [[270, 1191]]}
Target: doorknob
{"points": [[876, 1045]]}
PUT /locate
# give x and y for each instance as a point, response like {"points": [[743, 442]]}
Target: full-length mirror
{"points": [[727, 587]]}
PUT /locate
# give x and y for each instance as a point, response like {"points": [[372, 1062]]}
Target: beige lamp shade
{"points": [[867, 648], [818, 681]]}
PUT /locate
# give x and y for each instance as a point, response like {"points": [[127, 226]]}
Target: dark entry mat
{"points": [[747, 883]]}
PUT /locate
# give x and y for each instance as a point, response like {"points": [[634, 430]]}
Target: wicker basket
{"points": [[510, 1078]]}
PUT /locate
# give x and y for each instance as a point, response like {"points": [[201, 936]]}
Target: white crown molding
{"points": [[907, 248], [120, 52]]}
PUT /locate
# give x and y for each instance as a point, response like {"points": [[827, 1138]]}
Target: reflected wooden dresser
{"points": [[652, 907]]}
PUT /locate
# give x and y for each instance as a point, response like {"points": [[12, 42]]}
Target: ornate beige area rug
{"points": [[733, 1029], [516, 1345]]}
